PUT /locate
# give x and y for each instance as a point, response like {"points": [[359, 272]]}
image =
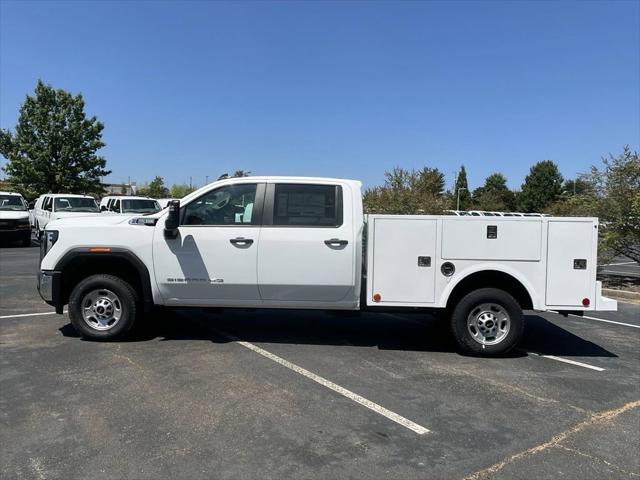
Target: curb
{"points": [[621, 294]]}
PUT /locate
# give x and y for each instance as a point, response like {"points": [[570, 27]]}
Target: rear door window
{"points": [[304, 205]]}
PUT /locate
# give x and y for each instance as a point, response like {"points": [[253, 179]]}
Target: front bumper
{"points": [[49, 283], [603, 303], [15, 234]]}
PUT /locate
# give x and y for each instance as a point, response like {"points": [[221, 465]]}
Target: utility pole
{"points": [[190, 182], [206, 182], [458, 203]]}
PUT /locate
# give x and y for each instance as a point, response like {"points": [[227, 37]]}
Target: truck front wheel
{"points": [[488, 322], [103, 307]]}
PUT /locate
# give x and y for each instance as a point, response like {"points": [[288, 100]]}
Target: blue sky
{"points": [[345, 89]]}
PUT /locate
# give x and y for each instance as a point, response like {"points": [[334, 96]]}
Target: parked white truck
{"points": [[304, 243], [14, 218]]}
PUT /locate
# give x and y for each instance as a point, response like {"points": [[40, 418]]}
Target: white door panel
{"points": [[570, 244], [518, 239], [307, 244], [203, 264], [296, 264], [404, 260], [212, 261]]}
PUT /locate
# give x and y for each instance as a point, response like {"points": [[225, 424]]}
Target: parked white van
{"points": [[52, 206], [14, 218], [129, 205]]}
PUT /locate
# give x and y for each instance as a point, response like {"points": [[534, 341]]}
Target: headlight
{"points": [[23, 223], [49, 238]]}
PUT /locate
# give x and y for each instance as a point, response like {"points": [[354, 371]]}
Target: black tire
{"points": [[468, 307], [127, 300]]}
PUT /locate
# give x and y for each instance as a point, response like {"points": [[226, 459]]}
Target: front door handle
{"points": [[336, 242], [241, 241]]}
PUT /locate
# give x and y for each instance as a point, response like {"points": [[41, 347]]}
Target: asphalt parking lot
{"points": [[621, 266], [276, 394]]}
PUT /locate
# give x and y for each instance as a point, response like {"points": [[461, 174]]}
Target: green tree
{"points": [[462, 187], [408, 192], [577, 186], [494, 195], [611, 193], [617, 188], [241, 173], [541, 187], [155, 189], [53, 148], [180, 190]]}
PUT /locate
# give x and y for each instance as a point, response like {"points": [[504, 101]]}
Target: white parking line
{"points": [[605, 320], [29, 314], [566, 360], [616, 264], [419, 429]]}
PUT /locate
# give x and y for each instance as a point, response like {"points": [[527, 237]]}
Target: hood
{"points": [[88, 221], [13, 215], [75, 214], [97, 220]]}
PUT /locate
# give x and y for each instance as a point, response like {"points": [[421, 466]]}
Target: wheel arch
{"points": [[491, 277], [79, 263]]}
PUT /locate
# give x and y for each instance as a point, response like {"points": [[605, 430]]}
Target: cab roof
{"points": [[66, 195], [128, 197]]}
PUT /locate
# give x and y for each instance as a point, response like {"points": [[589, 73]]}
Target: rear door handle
{"points": [[335, 242], [241, 241]]}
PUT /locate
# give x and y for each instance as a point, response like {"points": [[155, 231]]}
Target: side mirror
{"points": [[32, 205], [173, 219], [103, 208]]}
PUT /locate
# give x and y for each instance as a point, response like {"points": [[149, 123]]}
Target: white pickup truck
{"points": [[304, 243]]}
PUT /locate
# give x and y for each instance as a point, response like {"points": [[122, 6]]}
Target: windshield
{"points": [[12, 202], [75, 204], [140, 206]]}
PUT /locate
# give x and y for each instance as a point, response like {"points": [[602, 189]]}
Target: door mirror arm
{"points": [[172, 222]]}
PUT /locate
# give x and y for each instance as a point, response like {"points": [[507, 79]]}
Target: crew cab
{"points": [[304, 243], [14, 218], [52, 206]]}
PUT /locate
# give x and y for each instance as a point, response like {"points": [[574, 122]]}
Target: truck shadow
{"points": [[547, 338], [407, 331]]}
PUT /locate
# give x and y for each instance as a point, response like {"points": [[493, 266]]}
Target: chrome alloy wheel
{"points": [[101, 309], [488, 323]]}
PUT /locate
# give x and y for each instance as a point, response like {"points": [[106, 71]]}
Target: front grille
{"points": [[8, 224], [43, 247]]}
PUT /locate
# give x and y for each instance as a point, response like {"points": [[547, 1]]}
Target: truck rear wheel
{"points": [[488, 322], [103, 307]]}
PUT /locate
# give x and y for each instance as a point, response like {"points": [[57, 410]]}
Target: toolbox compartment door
{"points": [[571, 259], [492, 238], [404, 260]]}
